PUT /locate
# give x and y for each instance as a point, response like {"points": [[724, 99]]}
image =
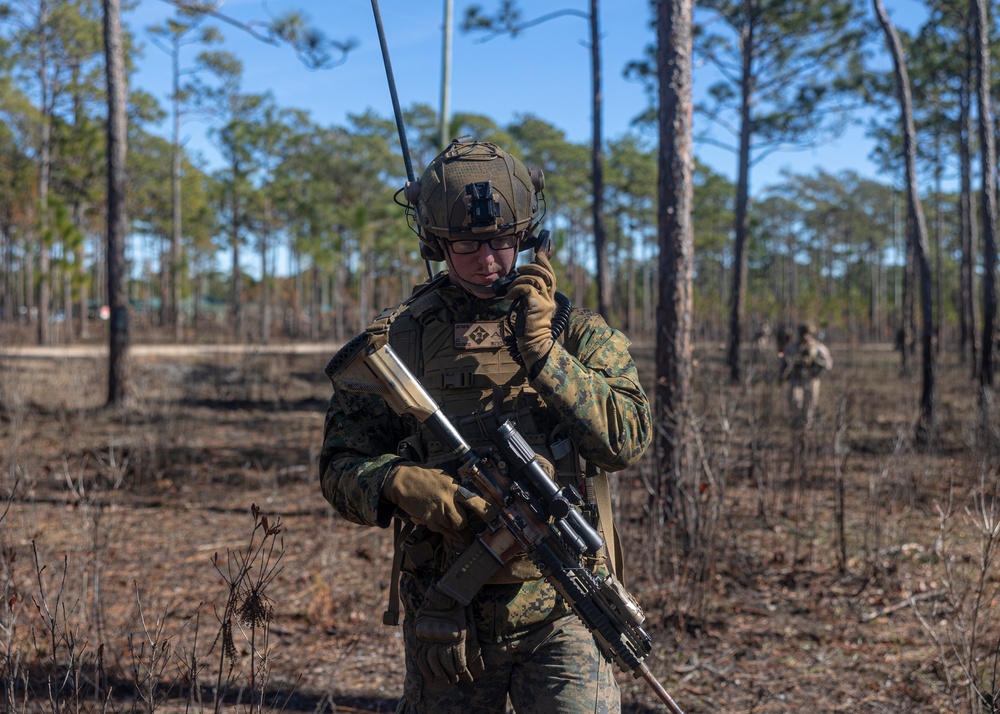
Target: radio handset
{"points": [[541, 242]]}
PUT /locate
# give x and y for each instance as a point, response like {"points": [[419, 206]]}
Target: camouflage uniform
{"points": [[535, 650], [804, 362]]}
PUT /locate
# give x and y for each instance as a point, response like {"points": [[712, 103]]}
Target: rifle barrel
{"points": [[661, 692]]}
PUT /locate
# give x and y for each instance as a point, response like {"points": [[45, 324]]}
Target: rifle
{"points": [[534, 515]]}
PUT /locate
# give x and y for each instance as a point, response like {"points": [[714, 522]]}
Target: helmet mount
{"points": [[484, 208]]}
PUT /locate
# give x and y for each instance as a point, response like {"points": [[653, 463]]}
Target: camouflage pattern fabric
{"points": [[555, 669], [501, 612], [590, 381], [589, 386]]}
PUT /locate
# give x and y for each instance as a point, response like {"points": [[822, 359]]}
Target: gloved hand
{"points": [[431, 497], [535, 287], [447, 648]]}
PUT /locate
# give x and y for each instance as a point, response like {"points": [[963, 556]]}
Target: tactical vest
{"points": [[468, 370]]}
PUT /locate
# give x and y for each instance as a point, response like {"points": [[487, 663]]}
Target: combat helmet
{"points": [[473, 189]]}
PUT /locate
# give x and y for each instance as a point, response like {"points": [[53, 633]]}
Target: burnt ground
{"points": [[860, 579]]}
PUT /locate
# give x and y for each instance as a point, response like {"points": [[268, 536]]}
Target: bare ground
{"points": [[865, 583]]}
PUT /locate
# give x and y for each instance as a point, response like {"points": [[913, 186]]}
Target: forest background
{"points": [[321, 259], [853, 565]]}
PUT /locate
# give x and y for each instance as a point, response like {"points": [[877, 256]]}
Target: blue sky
{"points": [[545, 71]]}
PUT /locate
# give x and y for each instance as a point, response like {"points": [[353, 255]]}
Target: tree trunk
{"points": [[298, 295], [676, 235], [44, 169], [967, 219], [873, 298], [265, 296], [237, 277], [737, 296], [906, 322], [197, 292], [174, 312], [119, 383], [7, 275], [82, 298], [632, 322], [917, 226], [340, 301], [315, 302], [648, 280], [938, 320], [597, 170], [989, 208]]}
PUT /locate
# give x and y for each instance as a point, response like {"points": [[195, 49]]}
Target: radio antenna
{"points": [[395, 105]]}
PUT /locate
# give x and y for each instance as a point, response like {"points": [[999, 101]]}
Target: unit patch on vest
{"points": [[481, 335]]}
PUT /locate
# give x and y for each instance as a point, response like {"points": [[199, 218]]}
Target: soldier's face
{"points": [[482, 268]]}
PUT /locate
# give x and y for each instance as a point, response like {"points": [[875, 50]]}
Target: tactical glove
{"points": [[447, 649], [431, 497], [535, 287]]}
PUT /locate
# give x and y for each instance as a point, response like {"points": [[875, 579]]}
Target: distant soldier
{"points": [[762, 335], [802, 364], [762, 339]]}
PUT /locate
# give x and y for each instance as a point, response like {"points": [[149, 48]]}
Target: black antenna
{"points": [[395, 105]]}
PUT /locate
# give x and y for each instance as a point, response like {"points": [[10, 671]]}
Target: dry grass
{"points": [[861, 580]]}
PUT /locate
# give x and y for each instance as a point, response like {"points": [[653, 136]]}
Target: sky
{"points": [[545, 71]]}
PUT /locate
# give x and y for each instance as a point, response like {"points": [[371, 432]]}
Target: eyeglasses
{"points": [[468, 246]]}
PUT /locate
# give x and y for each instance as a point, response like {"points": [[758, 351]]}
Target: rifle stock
{"points": [[535, 515]]}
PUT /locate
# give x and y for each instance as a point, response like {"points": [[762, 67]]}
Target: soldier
{"points": [[802, 364], [561, 374]]}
